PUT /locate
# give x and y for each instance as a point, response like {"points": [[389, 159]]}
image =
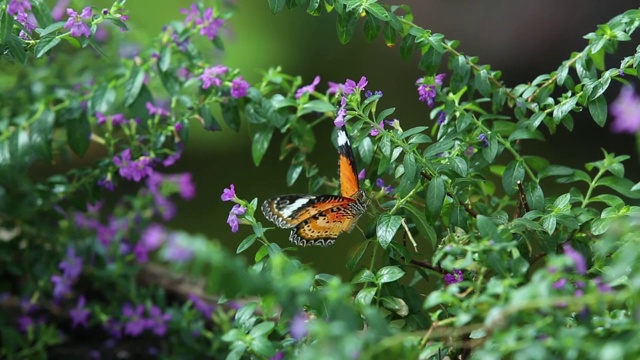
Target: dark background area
{"points": [[522, 39]]}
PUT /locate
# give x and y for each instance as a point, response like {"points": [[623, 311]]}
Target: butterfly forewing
{"points": [[349, 185]]}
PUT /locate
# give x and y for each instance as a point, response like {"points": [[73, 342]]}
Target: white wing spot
{"points": [[342, 138], [291, 208]]}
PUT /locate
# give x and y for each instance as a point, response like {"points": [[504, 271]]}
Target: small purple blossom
{"points": [[24, 323], [133, 170], [439, 78], [135, 322], [72, 265], [77, 24], [233, 222], [560, 284], [116, 119], [24, 19], [106, 183], [577, 258], [380, 183], [427, 94], [483, 138], [350, 86], [602, 286], [113, 327], [211, 76], [238, 209], [278, 356], [341, 113], [184, 183], [442, 117], [375, 130], [176, 251], [455, 277], [61, 286], [228, 194], [362, 174], [157, 321], [335, 88], [156, 110], [192, 13], [154, 236], [298, 329], [79, 314], [208, 24], [204, 307], [308, 88], [59, 9], [171, 159], [17, 6], [239, 87], [625, 110]]}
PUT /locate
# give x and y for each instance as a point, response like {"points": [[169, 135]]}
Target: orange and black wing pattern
{"points": [[319, 219]]}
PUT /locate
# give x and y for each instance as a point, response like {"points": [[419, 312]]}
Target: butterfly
{"points": [[319, 219]]}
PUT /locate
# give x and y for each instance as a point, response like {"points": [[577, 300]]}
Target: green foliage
{"points": [[473, 253]]}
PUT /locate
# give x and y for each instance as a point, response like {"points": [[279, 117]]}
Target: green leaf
{"points": [[600, 226], [17, 49], [396, 305], [209, 122], [262, 347], [40, 135], [430, 61], [133, 85], [231, 116], [78, 133], [357, 255], [461, 72], [346, 26], [366, 150], [262, 329], [103, 98], [6, 29], [246, 243], [406, 46], [389, 274], [535, 196], [364, 276], [390, 35], [378, 11], [423, 226], [316, 106], [42, 13], [549, 224], [261, 140], [621, 185], [45, 44], [564, 108], [365, 296], [487, 228], [512, 174], [386, 228], [598, 110], [562, 72], [371, 28], [294, 172], [165, 58], [276, 5], [410, 176], [482, 83], [436, 193]]}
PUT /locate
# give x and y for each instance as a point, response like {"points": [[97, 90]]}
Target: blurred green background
{"points": [[522, 39]]}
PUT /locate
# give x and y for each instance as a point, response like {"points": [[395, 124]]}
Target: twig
{"points": [[523, 197], [422, 264], [406, 228]]}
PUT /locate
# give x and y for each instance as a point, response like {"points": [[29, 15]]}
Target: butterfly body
{"points": [[319, 219]]}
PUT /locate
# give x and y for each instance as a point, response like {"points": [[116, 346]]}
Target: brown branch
{"points": [[523, 196], [422, 264]]}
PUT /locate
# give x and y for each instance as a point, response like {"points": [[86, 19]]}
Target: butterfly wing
{"points": [[323, 227], [348, 172], [288, 211]]}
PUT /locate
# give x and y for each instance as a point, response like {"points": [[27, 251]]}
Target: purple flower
{"points": [[16, 6], [239, 87], [133, 170], [72, 265], [61, 286], [427, 93], [335, 88], [577, 258], [165, 207], [135, 322], [603, 287], [278, 356], [204, 307], [341, 113], [176, 251], [141, 253], [192, 13], [229, 194], [350, 86], [375, 130], [362, 174], [185, 185], [470, 151], [308, 88], [77, 25], [113, 327], [79, 314], [483, 138], [380, 183], [560, 283], [211, 76], [233, 222], [157, 321], [455, 277], [171, 159], [625, 110], [106, 183], [442, 117], [298, 329], [439, 78], [153, 237], [24, 323], [116, 119], [208, 24], [59, 9], [23, 18], [153, 110]]}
